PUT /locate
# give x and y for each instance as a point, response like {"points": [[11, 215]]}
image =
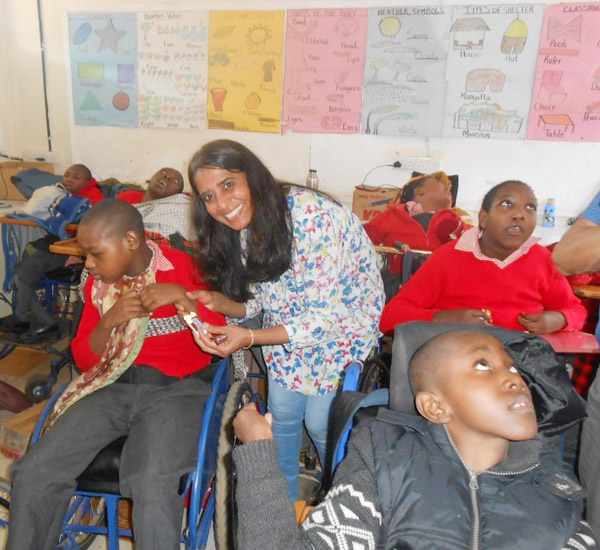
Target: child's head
{"points": [[165, 183], [111, 236], [507, 218], [466, 380], [432, 191], [76, 177]]}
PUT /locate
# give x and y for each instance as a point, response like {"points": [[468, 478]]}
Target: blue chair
{"points": [[85, 518]]}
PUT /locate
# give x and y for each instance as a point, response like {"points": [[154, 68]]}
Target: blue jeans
{"points": [[290, 409]]}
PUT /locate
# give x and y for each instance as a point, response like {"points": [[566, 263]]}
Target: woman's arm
{"points": [[579, 249]]}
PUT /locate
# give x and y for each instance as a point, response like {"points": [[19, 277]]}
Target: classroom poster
{"points": [[404, 86], [103, 68], [172, 52], [324, 59], [566, 94], [245, 70], [490, 69]]}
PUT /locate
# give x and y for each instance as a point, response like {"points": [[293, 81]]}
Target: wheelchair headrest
{"points": [[557, 405]]}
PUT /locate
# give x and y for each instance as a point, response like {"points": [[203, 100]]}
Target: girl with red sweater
{"points": [[496, 274]]}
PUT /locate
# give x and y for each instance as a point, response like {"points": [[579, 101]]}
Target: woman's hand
{"points": [[237, 338], [217, 301], [469, 316], [542, 323], [249, 425], [127, 307], [162, 294]]}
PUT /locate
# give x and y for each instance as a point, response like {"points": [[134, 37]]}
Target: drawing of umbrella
{"points": [[377, 65], [399, 67]]}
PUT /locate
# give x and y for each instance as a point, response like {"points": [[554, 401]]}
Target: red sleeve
{"points": [[132, 197], [83, 355]]}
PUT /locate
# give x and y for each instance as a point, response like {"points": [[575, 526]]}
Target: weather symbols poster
{"points": [[103, 68], [490, 70], [566, 94], [404, 86], [324, 62], [172, 50], [245, 70]]}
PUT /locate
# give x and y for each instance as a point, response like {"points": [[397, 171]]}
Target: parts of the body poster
{"points": [[404, 86], [566, 94], [324, 70], [103, 68], [172, 52], [245, 70], [490, 68]]}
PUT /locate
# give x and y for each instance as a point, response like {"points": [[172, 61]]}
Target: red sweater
{"points": [[132, 196], [90, 191], [455, 279], [174, 354]]}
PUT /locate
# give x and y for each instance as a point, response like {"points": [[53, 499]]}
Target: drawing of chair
{"points": [[551, 83]]}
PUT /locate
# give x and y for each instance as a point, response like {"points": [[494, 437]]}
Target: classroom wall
{"points": [[566, 171]]}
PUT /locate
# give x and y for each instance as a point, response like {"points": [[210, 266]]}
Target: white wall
{"points": [[566, 171]]}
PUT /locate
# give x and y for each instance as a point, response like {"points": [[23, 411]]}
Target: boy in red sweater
{"points": [[130, 331], [496, 274]]}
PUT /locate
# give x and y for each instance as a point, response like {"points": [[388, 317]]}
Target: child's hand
{"points": [[542, 323], [237, 337], [249, 425], [470, 316], [162, 294], [127, 307]]}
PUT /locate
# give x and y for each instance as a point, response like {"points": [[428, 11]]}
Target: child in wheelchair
{"points": [[471, 471], [144, 377]]}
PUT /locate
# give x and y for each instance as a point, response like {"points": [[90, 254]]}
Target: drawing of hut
{"points": [[515, 37], [487, 117], [469, 33]]}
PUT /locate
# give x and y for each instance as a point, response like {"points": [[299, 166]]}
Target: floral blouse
{"points": [[329, 300]]}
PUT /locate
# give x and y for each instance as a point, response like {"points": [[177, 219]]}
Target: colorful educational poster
{"points": [[404, 85], [491, 60], [566, 94], [324, 60], [172, 53], [103, 68], [245, 70]]}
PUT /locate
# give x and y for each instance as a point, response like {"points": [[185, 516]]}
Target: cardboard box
{"points": [[16, 431], [368, 201], [7, 169]]}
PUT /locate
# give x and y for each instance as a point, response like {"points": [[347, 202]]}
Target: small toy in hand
{"points": [[191, 319]]}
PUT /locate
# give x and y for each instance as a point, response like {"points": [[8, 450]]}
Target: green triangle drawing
{"points": [[90, 103]]}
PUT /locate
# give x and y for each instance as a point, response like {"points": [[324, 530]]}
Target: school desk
{"points": [[69, 247], [572, 341], [587, 291]]}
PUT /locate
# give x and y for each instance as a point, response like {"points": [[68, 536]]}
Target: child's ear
{"points": [[433, 408], [132, 239], [483, 216]]}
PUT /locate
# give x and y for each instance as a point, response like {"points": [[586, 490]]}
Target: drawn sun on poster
{"points": [[390, 26], [258, 35]]}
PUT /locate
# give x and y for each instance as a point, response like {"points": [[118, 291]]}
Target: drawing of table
{"points": [[556, 120]]}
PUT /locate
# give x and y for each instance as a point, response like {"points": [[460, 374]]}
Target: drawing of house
{"points": [[469, 33], [487, 117]]}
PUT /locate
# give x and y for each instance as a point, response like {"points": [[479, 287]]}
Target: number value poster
{"points": [[245, 70], [490, 68], [324, 70], [566, 93], [103, 68], [172, 48]]}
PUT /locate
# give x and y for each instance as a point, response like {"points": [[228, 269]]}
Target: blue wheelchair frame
{"points": [[199, 483]]}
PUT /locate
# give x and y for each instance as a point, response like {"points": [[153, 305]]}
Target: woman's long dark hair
{"points": [[270, 232]]}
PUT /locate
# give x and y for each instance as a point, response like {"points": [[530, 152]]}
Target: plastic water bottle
{"points": [[312, 180], [549, 213]]}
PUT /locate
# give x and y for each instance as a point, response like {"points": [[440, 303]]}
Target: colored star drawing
{"points": [[110, 37]]}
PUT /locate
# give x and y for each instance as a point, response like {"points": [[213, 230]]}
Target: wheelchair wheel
{"points": [[239, 395], [89, 511], [38, 388], [4, 502], [375, 375]]}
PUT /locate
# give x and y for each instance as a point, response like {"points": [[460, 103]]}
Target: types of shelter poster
{"points": [[404, 87], [245, 68], [103, 68], [324, 70], [172, 53], [566, 94], [490, 69]]}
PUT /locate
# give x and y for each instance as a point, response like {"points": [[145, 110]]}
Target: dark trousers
{"points": [[161, 417]]}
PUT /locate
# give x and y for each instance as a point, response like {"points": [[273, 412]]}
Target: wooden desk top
{"points": [[21, 221], [573, 341], [587, 291], [68, 247]]}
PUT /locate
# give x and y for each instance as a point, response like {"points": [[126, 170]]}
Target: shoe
{"points": [[39, 334], [10, 323]]}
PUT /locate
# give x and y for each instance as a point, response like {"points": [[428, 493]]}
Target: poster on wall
{"points": [[491, 60], [172, 52], [566, 94], [404, 86], [103, 68], [245, 70], [324, 60]]}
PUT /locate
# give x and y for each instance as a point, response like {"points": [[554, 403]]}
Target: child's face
{"points": [[107, 257], [510, 220], [165, 183], [74, 179], [434, 195], [485, 395]]}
